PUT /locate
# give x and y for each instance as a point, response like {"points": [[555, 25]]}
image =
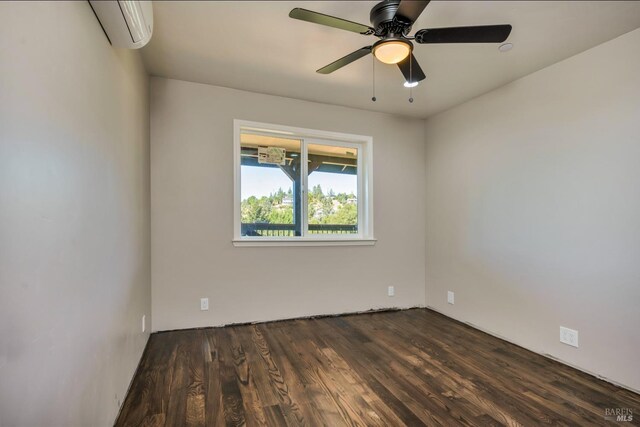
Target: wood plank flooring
{"points": [[413, 367]]}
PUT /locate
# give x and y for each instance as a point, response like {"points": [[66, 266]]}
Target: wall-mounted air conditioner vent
{"points": [[127, 23]]}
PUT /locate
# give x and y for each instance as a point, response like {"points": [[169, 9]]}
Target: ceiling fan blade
{"points": [[480, 34], [412, 72], [410, 10], [330, 21], [345, 60]]}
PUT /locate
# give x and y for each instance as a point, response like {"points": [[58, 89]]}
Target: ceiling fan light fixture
{"points": [[411, 84], [391, 51], [505, 47]]}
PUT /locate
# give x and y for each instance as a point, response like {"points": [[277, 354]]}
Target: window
{"points": [[301, 186]]}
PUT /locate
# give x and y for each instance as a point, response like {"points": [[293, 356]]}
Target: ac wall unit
{"points": [[127, 23]]}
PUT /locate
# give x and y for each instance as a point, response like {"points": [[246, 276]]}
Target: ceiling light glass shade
{"points": [[392, 52], [412, 84], [505, 47]]}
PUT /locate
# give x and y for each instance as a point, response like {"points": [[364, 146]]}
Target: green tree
{"points": [[282, 215], [330, 209], [316, 192], [253, 209]]}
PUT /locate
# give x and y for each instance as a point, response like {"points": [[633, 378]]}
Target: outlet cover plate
{"points": [[569, 336], [450, 297], [391, 291], [204, 304]]}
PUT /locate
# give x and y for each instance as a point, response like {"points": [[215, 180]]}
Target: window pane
{"points": [[270, 186], [333, 189]]}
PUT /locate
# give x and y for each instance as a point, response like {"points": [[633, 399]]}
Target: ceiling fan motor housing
{"points": [[383, 18]]}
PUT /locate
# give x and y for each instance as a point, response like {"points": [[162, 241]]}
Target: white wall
{"points": [[74, 216], [533, 209], [192, 215]]}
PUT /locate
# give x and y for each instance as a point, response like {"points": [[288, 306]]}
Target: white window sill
{"points": [[304, 242]]}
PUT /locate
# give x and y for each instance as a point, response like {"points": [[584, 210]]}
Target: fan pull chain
{"points": [[410, 78], [373, 67]]}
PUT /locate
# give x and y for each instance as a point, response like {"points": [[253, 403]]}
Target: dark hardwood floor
{"points": [[413, 367]]}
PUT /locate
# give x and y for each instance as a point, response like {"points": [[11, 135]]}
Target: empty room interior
{"points": [[320, 213]]}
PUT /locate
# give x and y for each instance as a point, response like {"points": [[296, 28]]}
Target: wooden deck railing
{"points": [[288, 230]]}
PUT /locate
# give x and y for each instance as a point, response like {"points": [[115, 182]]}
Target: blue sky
{"points": [[260, 182]]}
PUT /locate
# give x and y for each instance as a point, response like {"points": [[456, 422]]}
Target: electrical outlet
{"points": [[144, 326], [391, 291], [568, 336], [450, 297], [204, 304]]}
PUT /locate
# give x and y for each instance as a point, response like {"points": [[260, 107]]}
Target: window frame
{"points": [[364, 145]]}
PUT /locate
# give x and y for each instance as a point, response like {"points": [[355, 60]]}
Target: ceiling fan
{"points": [[391, 22]]}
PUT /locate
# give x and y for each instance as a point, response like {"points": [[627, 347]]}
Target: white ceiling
{"points": [[255, 46]]}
